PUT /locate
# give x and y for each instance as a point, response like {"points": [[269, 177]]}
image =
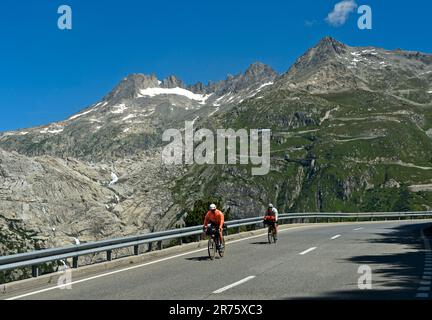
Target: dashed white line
{"points": [[233, 285], [307, 251], [357, 229], [422, 295], [427, 277], [425, 283], [423, 289], [137, 266], [335, 237]]}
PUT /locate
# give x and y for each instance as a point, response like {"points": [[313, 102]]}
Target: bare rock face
{"points": [[332, 66], [47, 202], [99, 173]]}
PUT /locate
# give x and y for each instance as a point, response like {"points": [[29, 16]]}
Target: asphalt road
{"points": [[308, 262]]}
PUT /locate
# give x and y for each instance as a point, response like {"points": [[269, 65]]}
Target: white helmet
{"points": [[270, 205], [212, 207]]}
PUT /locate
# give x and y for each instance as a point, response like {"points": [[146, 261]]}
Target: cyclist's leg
{"points": [[221, 238]]}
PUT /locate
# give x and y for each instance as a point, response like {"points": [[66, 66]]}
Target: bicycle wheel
{"points": [[270, 235], [211, 248], [222, 252], [274, 235]]}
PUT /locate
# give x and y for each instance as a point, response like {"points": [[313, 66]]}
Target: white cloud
{"points": [[341, 12]]}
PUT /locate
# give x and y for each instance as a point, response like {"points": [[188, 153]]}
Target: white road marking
{"points": [[233, 285], [357, 229], [427, 277], [425, 283], [427, 273], [137, 266], [423, 289], [422, 295], [335, 237], [308, 250]]}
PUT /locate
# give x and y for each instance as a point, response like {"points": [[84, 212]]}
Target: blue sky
{"points": [[48, 74]]}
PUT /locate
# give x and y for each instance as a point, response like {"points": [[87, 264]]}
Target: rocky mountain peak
{"points": [[259, 71], [172, 82], [330, 45], [129, 87]]}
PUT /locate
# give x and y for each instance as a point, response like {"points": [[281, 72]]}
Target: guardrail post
{"points": [[150, 247], [75, 262], [181, 241], [159, 244], [198, 238], [136, 250], [238, 229], [35, 271], [109, 255]]}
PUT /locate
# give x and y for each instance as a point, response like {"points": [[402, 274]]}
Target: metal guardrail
{"points": [[37, 258]]}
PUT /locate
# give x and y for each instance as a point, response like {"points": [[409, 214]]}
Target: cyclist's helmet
{"points": [[270, 205], [212, 207]]}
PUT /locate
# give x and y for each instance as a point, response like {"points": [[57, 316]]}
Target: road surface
{"points": [[308, 262]]}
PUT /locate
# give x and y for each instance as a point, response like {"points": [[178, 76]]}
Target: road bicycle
{"points": [[272, 233], [214, 243]]}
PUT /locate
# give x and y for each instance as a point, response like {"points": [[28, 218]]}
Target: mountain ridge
{"points": [[349, 134]]}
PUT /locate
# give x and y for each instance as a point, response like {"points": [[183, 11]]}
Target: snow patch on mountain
{"points": [[152, 92], [131, 116], [52, 131], [80, 114], [118, 109]]}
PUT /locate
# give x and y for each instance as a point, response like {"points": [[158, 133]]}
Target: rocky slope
{"points": [[351, 131], [134, 114]]}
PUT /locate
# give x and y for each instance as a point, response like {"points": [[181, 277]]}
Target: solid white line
{"points": [[358, 229], [422, 295], [233, 285], [104, 275], [336, 236], [308, 250], [137, 266]]}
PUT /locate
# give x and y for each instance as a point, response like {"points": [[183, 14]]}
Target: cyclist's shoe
{"points": [[221, 247]]}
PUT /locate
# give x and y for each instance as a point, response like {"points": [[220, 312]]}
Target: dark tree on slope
{"points": [[403, 203]]}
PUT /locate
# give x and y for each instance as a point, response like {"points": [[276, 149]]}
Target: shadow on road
{"points": [[203, 258], [399, 273], [260, 242]]}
